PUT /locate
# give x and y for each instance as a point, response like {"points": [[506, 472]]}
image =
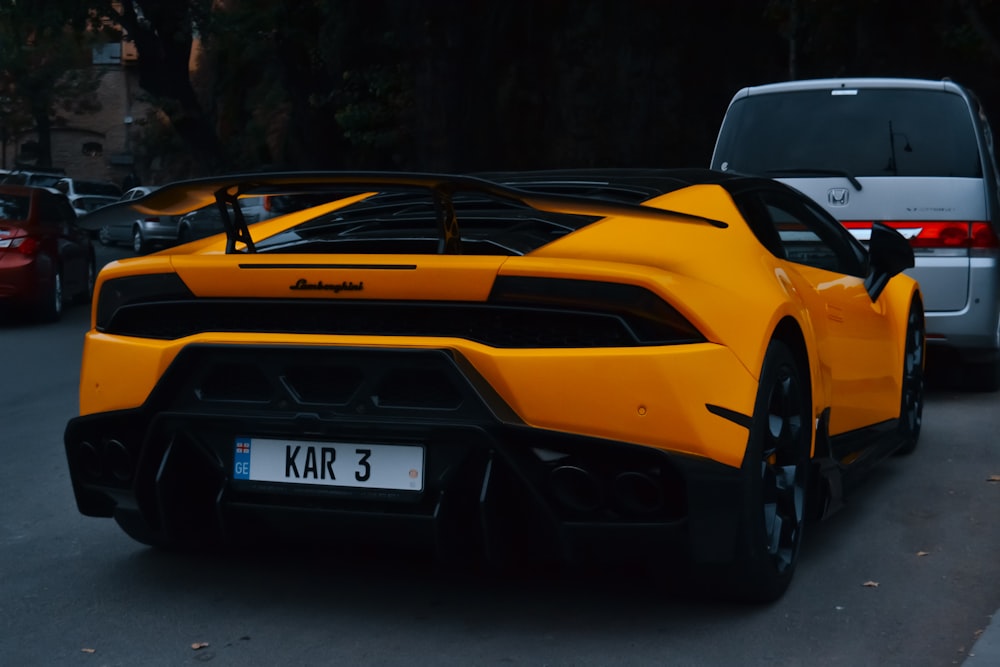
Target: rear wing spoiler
{"points": [[224, 191]]}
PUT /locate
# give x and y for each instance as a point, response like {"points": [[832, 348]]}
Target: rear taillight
{"points": [[26, 245], [120, 293], [937, 233]]}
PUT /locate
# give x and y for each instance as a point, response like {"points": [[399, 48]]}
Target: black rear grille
{"points": [[266, 381], [491, 324], [322, 384], [417, 388], [234, 382]]}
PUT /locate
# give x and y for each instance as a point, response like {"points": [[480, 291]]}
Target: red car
{"points": [[46, 259]]}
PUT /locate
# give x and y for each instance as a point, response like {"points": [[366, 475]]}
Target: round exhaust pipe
{"points": [[119, 460], [576, 489], [89, 458], [637, 493]]}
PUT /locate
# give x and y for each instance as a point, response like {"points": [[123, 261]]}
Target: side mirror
{"points": [[62, 186], [889, 254]]}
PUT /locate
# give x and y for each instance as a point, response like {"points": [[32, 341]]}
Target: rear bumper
{"points": [[494, 486], [489, 495], [20, 278], [976, 326]]}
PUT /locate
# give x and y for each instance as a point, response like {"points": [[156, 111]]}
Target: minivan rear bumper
{"points": [[976, 326]]}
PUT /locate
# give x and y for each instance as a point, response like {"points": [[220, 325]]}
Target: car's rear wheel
{"points": [[139, 244], [49, 306], [135, 526], [775, 478], [87, 294], [911, 401], [105, 236]]}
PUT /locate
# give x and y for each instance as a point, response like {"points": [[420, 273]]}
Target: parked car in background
{"points": [[46, 259], [207, 221], [917, 155], [46, 178], [142, 232], [88, 196], [84, 204], [74, 187]]}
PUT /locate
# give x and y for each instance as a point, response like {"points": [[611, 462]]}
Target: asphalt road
{"points": [[907, 575]]}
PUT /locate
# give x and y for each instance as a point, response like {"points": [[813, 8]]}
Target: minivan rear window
{"points": [[864, 132]]}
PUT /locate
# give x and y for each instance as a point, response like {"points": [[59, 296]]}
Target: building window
{"points": [[29, 151], [92, 148]]}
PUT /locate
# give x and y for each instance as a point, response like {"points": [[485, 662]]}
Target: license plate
{"points": [[337, 464]]}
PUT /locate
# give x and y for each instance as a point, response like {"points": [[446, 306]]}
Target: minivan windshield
{"points": [[861, 132]]}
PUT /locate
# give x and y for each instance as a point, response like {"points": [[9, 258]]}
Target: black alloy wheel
{"points": [[776, 471], [911, 402]]}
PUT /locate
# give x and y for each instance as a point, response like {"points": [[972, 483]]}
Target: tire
{"points": [[104, 236], [133, 525], [911, 401], [50, 302], [139, 244], [775, 478], [87, 294]]}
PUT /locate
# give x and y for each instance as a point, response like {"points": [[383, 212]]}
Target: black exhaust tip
{"points": [[637, 493], [119, 460], [90, 459], [576, 489]]}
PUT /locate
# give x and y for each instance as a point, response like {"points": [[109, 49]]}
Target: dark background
{"points": [[519, 84], [460, 85]]}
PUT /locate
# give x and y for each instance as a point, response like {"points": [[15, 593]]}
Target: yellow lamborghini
{"points": [[575, 364]]}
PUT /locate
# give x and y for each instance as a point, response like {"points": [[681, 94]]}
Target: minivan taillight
{"points": [[939, 233]]}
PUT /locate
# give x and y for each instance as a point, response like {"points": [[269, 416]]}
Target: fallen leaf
{"points": [[88, 650], [199, 645], [923, 553], [870, 584]]}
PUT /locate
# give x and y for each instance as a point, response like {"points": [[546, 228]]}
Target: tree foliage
{"points": [[45, 52], [497, 84]]}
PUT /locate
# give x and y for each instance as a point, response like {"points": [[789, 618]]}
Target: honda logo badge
{"points": [[837, 196]]}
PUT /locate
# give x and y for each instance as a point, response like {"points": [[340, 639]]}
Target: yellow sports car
{"points": [[575, 364]]}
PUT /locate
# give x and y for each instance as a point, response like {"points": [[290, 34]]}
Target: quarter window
{"points": [[802, 233]]}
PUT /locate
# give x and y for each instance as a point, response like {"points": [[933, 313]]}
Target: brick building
{"points": [[100, 145]]}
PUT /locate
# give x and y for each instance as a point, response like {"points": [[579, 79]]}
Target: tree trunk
{"points": [[43, 126]]}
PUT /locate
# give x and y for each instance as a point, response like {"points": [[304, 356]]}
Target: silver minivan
{"points": [[915, 154]]}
